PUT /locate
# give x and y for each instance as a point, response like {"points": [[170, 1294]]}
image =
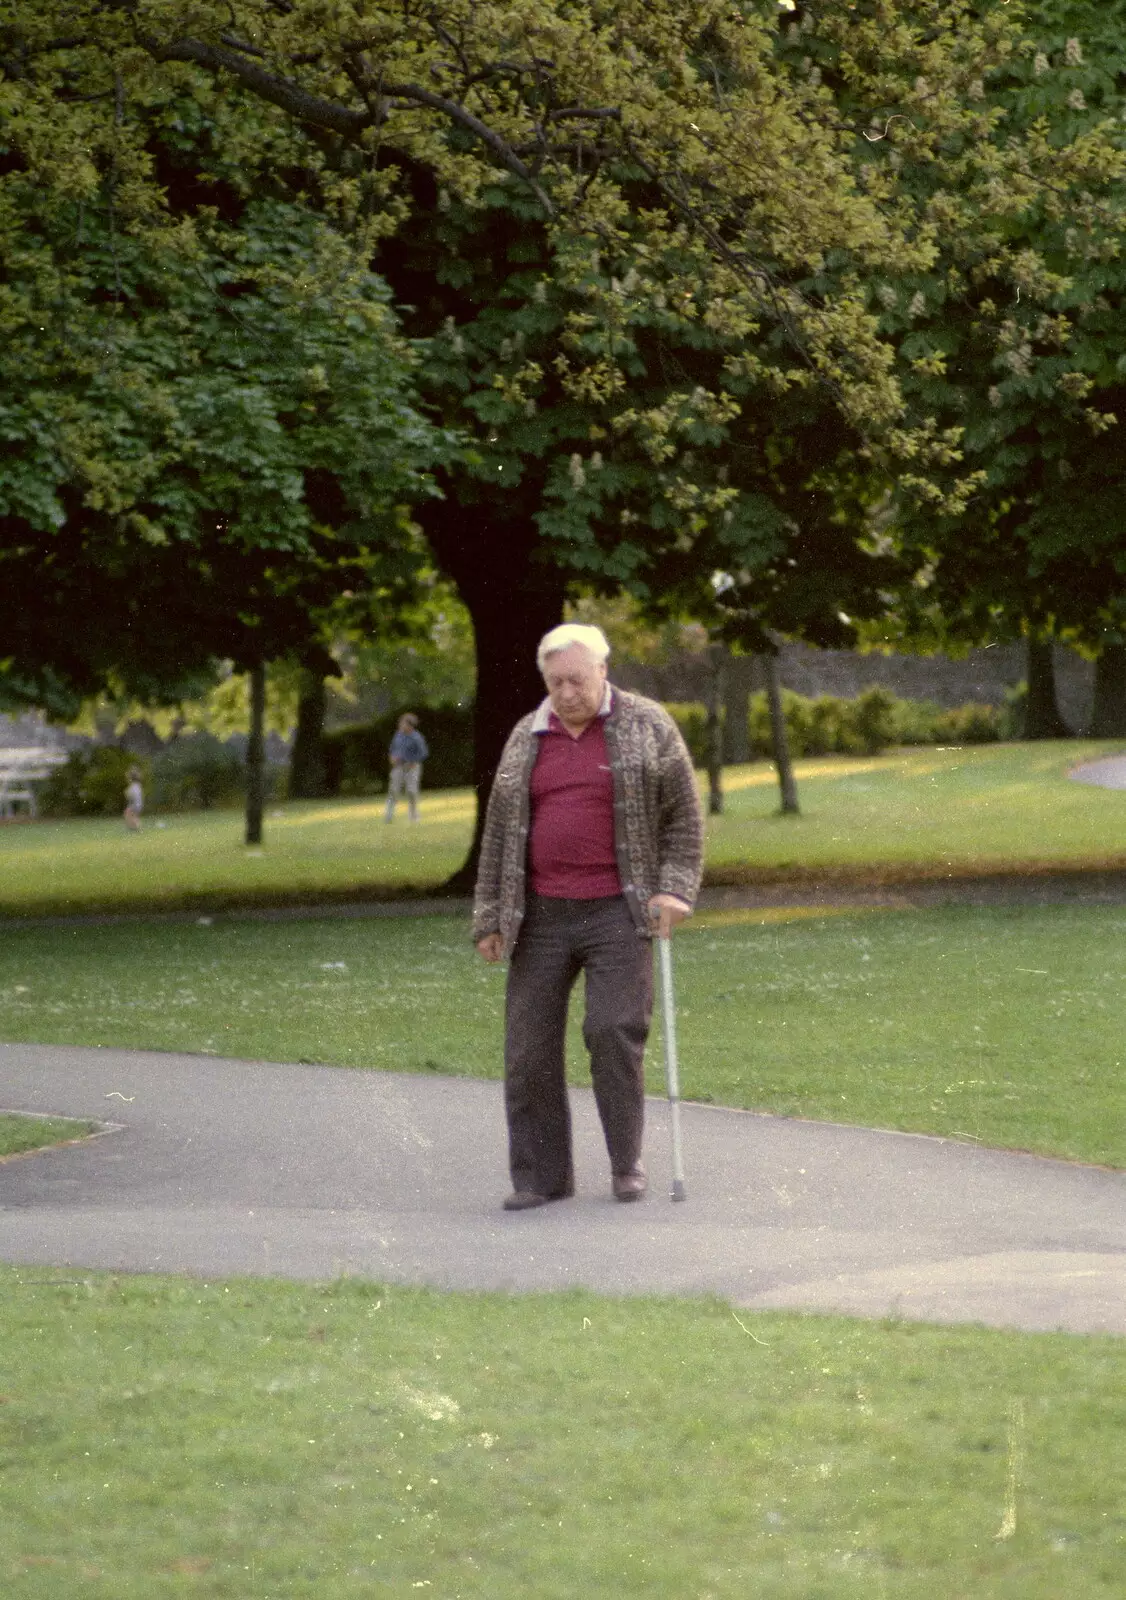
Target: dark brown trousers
{"points": [[558, 940]]}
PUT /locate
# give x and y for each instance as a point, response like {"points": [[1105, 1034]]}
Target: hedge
{"points": [[829, 725], [692, 719], [90, 783], [195, 772], [356, 759]]}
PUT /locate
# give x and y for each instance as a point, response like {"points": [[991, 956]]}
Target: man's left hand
{"points": [[665, 911]]}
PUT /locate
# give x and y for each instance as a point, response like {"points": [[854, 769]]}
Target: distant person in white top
{"points": [[408, 751], [134, 800]]}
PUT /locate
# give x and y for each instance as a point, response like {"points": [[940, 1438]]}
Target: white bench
{"points": [[20, 768]]}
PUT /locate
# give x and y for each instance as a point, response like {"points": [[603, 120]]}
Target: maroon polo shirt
{"points": [[571, 846]]}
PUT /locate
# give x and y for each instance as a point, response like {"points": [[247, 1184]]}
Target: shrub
{"points": [[356, 760], [824, 724], [969, 724], [692, 719], [758, 724], [871, 720], [61, 795], [1014, 713], [196, 770], [915, 721], [868, 724], [802, 727], [91, 783]]}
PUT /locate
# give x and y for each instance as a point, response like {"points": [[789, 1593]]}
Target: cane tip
{"points": [[678, 1191]]}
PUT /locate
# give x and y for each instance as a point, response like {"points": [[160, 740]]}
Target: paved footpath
{"points": [[1109, 773], [229, 1167]]}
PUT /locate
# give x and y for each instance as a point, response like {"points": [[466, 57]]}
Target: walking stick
{"points": [[672, 1072]]}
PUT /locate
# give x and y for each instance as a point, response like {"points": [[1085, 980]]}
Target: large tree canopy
{"points": [[650, 190], [568, 100], [206, 437], [648, 243], [674, 140], [1017, 339]]}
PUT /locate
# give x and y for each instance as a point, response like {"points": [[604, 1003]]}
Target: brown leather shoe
{"points": [[629, 1185], [524, 1200]]}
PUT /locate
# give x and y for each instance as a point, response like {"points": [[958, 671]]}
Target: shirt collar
{"points": [[541, 722]]}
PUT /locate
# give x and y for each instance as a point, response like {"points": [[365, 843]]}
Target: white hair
{"points": [[569, 633]]}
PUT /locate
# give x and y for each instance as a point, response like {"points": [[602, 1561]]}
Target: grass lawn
{"points": [[165, 1438], [240, 1441], [1003, 1025], [20, 1133], [929, 811], [924, 811], [314, 851]]}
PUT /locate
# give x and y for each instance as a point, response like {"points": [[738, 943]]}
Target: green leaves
{"points": [[207, 436], [691, 284], [1011, 343]]}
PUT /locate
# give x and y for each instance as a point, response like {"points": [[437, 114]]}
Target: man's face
{"points": [[575, 683]]}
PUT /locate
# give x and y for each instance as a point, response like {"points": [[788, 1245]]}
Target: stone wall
{"points": [[982, 675]]}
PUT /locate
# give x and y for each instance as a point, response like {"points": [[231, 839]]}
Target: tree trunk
{"points": [[736, 693], [717, 675], [1042, 718], [255, 754], [1108, 709], [786, 781], [307, 761], [513, 599]]}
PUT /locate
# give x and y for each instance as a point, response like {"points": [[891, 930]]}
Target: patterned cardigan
{"points": [[658, 828]]}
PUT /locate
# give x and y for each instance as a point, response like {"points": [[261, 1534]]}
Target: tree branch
{"points": [[242, 45], [321, 113], [500, 147], [16, 53], [290, 97], [594, 112]]}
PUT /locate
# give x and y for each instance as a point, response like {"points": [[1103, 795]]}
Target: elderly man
{"points": [[592, 843]]}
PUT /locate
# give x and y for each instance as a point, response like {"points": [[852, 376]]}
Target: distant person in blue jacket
{"points": [[408, 751]]}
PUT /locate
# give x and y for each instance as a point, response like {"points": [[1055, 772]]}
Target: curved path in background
{"points": [[231, 1167], [1110, 773]]}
